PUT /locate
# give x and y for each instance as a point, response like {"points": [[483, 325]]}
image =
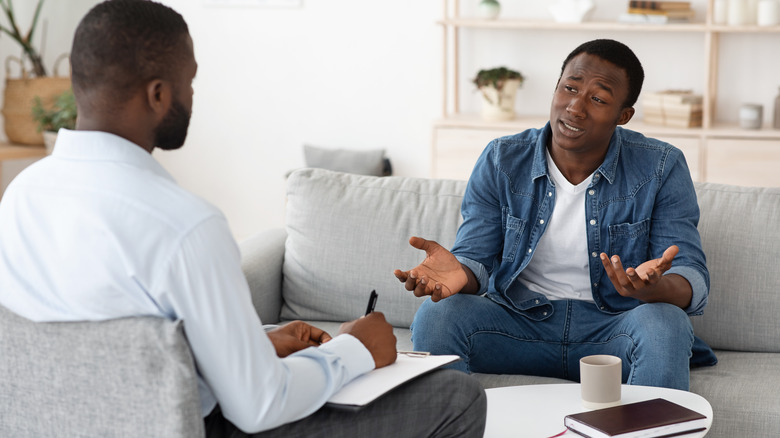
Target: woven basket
{"points": [[18, 103], [19, 97]]}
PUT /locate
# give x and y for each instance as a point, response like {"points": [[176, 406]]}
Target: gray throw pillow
{"points": [[368, 162]]}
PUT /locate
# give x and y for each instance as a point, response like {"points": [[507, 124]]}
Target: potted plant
{"points": [[33, 82], [49, 120], [498, 87]]}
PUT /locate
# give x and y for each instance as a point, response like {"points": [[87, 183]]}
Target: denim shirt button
{"points": [[593, 221], [530, 250], [544, 313], [594, 254], [591, 192], [541, 221], [536, 301], [549, 194]]}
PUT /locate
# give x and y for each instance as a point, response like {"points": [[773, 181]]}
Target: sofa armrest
{"points": [[262, 256]]}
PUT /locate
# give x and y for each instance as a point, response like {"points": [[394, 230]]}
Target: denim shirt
{"points": [[641, 201]]}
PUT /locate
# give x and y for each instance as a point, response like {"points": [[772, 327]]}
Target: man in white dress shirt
{"points": [[100, 230]]}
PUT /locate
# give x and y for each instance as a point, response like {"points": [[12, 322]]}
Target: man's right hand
{"points": [[440, 275], [376, 334]]}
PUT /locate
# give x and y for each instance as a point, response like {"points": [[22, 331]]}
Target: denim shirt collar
{"points": [[608, 168]]}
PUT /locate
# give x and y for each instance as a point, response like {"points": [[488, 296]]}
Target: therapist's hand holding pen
{"points": [[375, 333]]}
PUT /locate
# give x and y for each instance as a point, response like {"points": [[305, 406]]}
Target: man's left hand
{"points": [[638, 282], [296, 336]]}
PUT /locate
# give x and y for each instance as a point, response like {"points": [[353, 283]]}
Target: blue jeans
{"points": [[654, 341]]}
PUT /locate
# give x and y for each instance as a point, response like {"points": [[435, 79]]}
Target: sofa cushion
{"points": [[123, 377], [741, 238], [363, 162], [346, 233], [744, 391]]}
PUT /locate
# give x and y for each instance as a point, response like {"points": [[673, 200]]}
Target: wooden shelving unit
{"points": [[10, 151], [696, 139]]}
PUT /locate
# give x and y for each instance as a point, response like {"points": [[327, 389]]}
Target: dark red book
{"points": [[655, 418]]}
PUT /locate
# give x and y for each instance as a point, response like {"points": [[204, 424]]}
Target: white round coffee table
{"points": [[537, 411]]}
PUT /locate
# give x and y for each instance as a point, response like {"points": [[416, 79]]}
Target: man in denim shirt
{"points": [[578, 238]]}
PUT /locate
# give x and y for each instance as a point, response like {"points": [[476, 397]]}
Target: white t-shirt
{"points": [[100, 230], [559, 267]]}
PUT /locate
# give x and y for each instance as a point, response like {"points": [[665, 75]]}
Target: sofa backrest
{"points": [[347, 233], [130, 377], [740, 231]]}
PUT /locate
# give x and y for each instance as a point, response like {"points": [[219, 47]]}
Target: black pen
{"points": [[372, 302]]}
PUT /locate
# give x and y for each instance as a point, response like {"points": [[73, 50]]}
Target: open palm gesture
{"points": [[440, 275]]}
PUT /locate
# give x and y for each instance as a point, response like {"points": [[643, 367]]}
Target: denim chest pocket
{"points": [[631, 242], [513, 232]]}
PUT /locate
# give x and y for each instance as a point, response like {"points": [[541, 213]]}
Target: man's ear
{"points": [[625, 115], [159, 96]]}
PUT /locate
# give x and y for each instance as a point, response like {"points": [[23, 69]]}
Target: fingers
{"points": [[318, 336], [666, 259], [423, 244], [625, 281]]}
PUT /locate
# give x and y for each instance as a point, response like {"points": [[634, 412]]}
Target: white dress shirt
{"points": [[100, 230]]}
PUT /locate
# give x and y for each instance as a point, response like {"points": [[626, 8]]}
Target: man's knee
{"points": [[433, 317], [666, 323], [466, 401]]}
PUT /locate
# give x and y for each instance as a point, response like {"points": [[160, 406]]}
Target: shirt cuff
{"points": [[698, 286], [355, 356], [478, 270]]}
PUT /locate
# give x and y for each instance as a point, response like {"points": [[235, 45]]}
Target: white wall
{"points": [[366, 74]]}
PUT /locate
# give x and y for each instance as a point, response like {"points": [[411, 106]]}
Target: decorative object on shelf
{"points": [[19, 93], [658, 12], [675, 108], [776, 123], [489, 9], [61, 115], [720, 12], [498, 87], [768, 13], [751, 115], [739, 12], [571, 11]]}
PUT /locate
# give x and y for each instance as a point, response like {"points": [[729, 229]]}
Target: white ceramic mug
{"points": [[600, 377]]}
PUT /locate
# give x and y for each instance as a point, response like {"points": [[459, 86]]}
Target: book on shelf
{"points": [[682, 14], [671, 97], [647, 419], [673, 122], [660, 5], [650, 19], [676, 108]]}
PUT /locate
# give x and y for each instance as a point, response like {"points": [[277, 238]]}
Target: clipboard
{"points": [[370, 386]]}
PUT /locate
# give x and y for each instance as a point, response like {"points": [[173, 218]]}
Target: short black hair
{"points": [[120, 44], [619, 54]]}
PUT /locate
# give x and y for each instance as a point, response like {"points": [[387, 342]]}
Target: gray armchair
{"points": [[129, 377]]}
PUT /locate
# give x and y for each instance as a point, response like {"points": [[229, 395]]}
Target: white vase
{"points": [[768, 13], [489, 9], [571, 11], [499, 105]]}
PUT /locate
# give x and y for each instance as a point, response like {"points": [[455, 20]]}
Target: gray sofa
{"points": [[345, 234]]}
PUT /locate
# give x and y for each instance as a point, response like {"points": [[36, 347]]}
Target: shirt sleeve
{"points": [[480, 237], [204, 286], [675, 222]]}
